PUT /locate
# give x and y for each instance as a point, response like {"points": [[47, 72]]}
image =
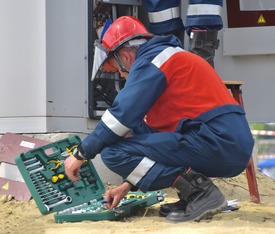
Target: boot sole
{"points": [[204, 215], [210, 213], [164, 214]]}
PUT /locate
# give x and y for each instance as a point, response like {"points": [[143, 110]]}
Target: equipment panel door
{"points": [[105, 86]]}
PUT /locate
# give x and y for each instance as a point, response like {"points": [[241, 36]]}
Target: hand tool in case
{"points": [[43, 171]]}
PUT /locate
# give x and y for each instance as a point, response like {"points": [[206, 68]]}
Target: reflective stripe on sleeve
{"points": [[162, 57], [112, 123], [167, 14], [142, 168], [204, 9]]}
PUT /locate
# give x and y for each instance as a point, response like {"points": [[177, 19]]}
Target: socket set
{"points": [[43, 170]]}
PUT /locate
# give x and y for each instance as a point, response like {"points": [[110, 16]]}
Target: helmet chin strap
{"points": [[123, 69]]}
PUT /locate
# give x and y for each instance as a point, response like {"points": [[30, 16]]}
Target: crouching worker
{"points": [[185, 126]]}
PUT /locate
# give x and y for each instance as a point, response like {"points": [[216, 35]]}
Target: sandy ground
{"points": [[24, 217]]}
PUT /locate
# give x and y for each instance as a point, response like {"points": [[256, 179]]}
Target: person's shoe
{"points": [[166, 208], [204, 43], [203, 198]]}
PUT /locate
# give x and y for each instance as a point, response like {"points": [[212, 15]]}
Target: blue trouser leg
{"points": [[210, 148], [163, 24], [211, 20], [124, 156]]}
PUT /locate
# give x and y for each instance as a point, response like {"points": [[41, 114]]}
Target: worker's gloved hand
{"points": [[113, 196], [72, 167]]}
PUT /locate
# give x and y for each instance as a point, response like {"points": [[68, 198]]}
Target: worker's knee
{"points": [[107, 157]]}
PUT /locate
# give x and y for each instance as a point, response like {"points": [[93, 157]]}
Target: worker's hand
{"points": [[113, 196], [72, 167]]}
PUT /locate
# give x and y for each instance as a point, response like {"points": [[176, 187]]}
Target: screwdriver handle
{"points": [[67, 186]]}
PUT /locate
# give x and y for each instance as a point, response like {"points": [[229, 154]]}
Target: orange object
{"points": [[235, 88]]}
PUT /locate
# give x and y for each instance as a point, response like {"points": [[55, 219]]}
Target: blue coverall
{"points": [[189, 120]]}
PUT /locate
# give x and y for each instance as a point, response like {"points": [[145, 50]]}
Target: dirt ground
{"points": [[24, 217]]}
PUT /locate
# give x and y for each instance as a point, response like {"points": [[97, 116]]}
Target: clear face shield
{"points": [[101, 62], [102, 58]]}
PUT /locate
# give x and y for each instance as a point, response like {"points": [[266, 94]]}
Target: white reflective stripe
{"points": [[142, 168], [204, 9], [167, 14], [114, 124], [162, 57]]}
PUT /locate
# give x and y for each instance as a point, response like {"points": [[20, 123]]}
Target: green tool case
{"points": [[74, 201]]}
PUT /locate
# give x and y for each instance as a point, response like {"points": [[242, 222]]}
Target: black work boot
{"points": [[203, 198], [166, 208], [204, 43]]}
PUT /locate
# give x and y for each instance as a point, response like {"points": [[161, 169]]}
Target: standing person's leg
{"points": [[165, 18], [203, 22], [204, 43]]}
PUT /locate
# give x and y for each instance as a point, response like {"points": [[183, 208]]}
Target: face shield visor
{"points": [[101, 60], [102, 56]]}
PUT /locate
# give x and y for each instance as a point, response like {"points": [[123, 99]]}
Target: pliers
{"points": [[58, 163], [69, 151]]}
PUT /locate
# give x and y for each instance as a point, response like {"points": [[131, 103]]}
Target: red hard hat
{"points": [[122, 30]]}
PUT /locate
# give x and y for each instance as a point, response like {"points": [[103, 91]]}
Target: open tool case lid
{"points": [[74, 201], [43, 171]]}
